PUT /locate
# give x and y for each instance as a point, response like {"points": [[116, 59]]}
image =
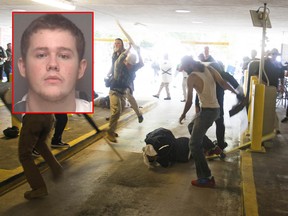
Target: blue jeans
{"points": [[201, 123], [220, 126]]}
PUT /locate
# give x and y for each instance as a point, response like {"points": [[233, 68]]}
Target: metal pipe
{"points": [[264, 20]]}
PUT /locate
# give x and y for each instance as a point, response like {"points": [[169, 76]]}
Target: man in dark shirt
{"points": [[220, 126], [3, 57], [207, 56], [122, 87], [272, 74], [274, 70], [8, 62]]}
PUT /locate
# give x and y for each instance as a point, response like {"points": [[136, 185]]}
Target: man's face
{"points": [[117, 46], [52, 66]]}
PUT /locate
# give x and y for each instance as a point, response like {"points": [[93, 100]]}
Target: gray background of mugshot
{"points": [[83, 22]]}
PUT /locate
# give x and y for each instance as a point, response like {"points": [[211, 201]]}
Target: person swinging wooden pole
{"points": [[127, 35]]}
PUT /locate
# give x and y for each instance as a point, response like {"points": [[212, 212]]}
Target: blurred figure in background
{"points": [[166, 75], [8, 62], [3, 57]]}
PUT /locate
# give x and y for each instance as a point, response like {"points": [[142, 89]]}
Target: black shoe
{"points": [[167, 98], [204, 182], [155, 96], [60, 145], [214, 151], [140, 119], [183, 100], [35, 153], [284, 120], [223, 146]]}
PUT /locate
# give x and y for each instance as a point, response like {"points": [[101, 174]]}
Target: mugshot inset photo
{"points": [[53, 57]]}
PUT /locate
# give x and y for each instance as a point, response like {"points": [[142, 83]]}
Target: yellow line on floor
{"points": [[6, 174], [248, 185]]}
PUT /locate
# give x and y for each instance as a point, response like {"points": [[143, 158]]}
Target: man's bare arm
{"points": [[188, 104]]}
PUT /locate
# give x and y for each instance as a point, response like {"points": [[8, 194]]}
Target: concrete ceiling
{"points": [[160, 15]]}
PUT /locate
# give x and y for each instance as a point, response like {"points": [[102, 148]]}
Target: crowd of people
{"points": [[6, 62], [205, 75]]}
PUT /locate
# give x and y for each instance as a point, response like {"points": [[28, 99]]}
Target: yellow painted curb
{"points": [[7, 174], [248, 185]]}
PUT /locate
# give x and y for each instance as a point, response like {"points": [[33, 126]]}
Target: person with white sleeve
{"points": [[166, 74]]}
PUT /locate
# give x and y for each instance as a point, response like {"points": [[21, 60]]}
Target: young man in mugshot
{"points": [[52, 61]]}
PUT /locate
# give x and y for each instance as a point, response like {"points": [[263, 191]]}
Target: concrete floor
{"points": [[96, 182]]}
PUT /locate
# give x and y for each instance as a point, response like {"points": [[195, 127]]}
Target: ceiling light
{"points": [[139, 24], [63, 4], [197, 22], [182, 11], [18, 10]]}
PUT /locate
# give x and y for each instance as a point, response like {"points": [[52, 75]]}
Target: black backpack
{"points": [[163, 141], [169, 149], [11, 132]]}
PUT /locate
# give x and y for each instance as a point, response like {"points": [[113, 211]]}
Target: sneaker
{"points": [[167, 98], [204, 182], [215, 151], [155, 96], [183, 100], [36, 193], [111, 137], [223, 146], [60, 145], [140, 119], [35, 153], [115, 134], [284, 120]]}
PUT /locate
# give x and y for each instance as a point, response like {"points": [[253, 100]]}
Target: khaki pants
{"points": [[132, 102], [117, 104], [34, 134]]}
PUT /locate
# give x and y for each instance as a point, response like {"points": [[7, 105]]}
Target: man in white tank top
{"points": [[203, 79]]}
